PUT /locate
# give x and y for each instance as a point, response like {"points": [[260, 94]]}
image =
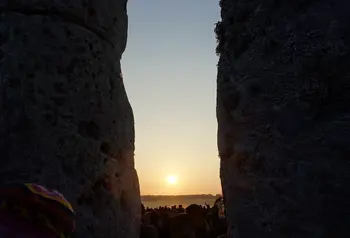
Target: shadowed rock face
{"points": [[65, 119], [283, 116]]}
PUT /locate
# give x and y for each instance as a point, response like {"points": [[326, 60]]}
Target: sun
{"points": [[171, 179]]}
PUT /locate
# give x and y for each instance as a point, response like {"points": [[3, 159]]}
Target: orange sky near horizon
{"points": [[154, 181]]}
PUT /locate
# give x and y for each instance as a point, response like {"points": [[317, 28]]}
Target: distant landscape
{"points": [[153, 201]]}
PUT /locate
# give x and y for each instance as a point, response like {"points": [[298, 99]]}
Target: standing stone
{"points": [[65, 119], [284, 117]]}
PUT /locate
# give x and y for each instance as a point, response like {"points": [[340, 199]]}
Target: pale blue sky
{"points": [[169, 70]]}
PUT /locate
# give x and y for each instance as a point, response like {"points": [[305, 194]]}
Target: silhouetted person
{"points": [[143, 210]]}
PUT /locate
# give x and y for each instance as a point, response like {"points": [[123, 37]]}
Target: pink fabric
{"points": [[13, 227]]}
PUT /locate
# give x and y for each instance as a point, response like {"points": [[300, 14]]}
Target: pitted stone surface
{"points": [[107, 18], [65, 119], [283, 117]]}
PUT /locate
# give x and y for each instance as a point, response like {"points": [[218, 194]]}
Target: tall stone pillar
{"points": [[284, 117], [65, 119]]}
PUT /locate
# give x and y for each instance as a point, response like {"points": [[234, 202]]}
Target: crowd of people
{"points": [[194, 221]]}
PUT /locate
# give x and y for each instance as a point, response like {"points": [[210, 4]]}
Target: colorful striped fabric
{"points": [[35, 203], [52, 195]]}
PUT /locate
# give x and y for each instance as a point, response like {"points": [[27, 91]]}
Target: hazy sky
{"points": [[169, 70]]}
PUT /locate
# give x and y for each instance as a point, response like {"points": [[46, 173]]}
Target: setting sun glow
{"points": [[171, 179]]}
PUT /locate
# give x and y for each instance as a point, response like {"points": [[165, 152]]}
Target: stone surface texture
{"points": [[283, 91], [65, 119]]}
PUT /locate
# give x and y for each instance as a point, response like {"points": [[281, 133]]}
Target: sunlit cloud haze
{"points": [[169, 70]]}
